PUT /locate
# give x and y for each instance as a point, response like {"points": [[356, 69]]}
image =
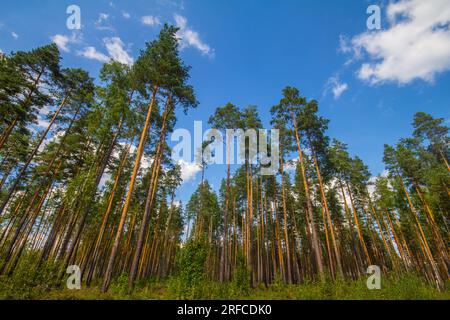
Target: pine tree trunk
{"points": [[109, 270], [5, 135], [423, 239], [30, 158], [150, 196], [315, 239], [107, 212], [328, 219], [286, 237]]}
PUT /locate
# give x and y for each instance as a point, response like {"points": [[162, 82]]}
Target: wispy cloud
{"points": [[126, 15], [335, 86], [191, 38], [102, 17], [338, 89], [115, 48], [176, 4], [53, 138], [291, 164], [188, 170], [102, 22], [344, 45], [177, 203], [42, 121], [92, 53], [414, 45], [116, 51], [150, 20], [62, 41], [373, 180]]}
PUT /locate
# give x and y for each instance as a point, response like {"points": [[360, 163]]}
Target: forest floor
{"points": [[406, 287]]}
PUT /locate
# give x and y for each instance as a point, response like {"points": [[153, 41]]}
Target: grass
{"points": [[407, 287], [29, 283]]}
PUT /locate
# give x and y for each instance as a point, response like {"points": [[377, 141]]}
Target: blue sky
{"points": [[368, 83]]}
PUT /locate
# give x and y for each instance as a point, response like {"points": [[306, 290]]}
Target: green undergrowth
{"points": [[28, 282], [408, 287]]}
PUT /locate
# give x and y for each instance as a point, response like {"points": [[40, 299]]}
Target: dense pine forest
{"points": [[77, 193]]}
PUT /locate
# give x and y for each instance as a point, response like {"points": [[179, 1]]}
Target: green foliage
{"points": [[393, 287], [96, 122], [240, 286], [28, 283], [190, 275], [119, 285]]}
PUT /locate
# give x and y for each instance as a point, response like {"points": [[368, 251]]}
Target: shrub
{"points": [[190, 271], [28, 283], [240, 285]]}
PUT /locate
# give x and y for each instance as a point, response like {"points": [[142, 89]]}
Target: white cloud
{"points": [[101, 23], [415, 45], [146, 161], [338, 89], [102, 17], [335, 86], [62, 41], [14, 35], [291, 165], [126, 15], [177, 203], [92, 53], [150, 20], [53, 138], [191, 38], [104, 179], [373, 180], [115, 49], [344, 45], [188, 170], [42, 121]]}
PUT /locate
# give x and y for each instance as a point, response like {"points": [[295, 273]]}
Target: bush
{"points": [[28, 283], [190, 273], [240, 285], [119, 285]]}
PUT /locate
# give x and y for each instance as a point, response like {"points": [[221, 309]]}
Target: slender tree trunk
{"points": [[279, 246], [444, 159], [107, 211], [423, 239], [150, 195], [286, 237], [109, 270], [328, 218], [30, 158], [5, 135], [315, 239], [224, 255], [358, 226]]}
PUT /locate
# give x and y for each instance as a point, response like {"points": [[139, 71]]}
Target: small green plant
{"points": [[119, 285], [240, 286], [190, 271], [28, 283]]}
